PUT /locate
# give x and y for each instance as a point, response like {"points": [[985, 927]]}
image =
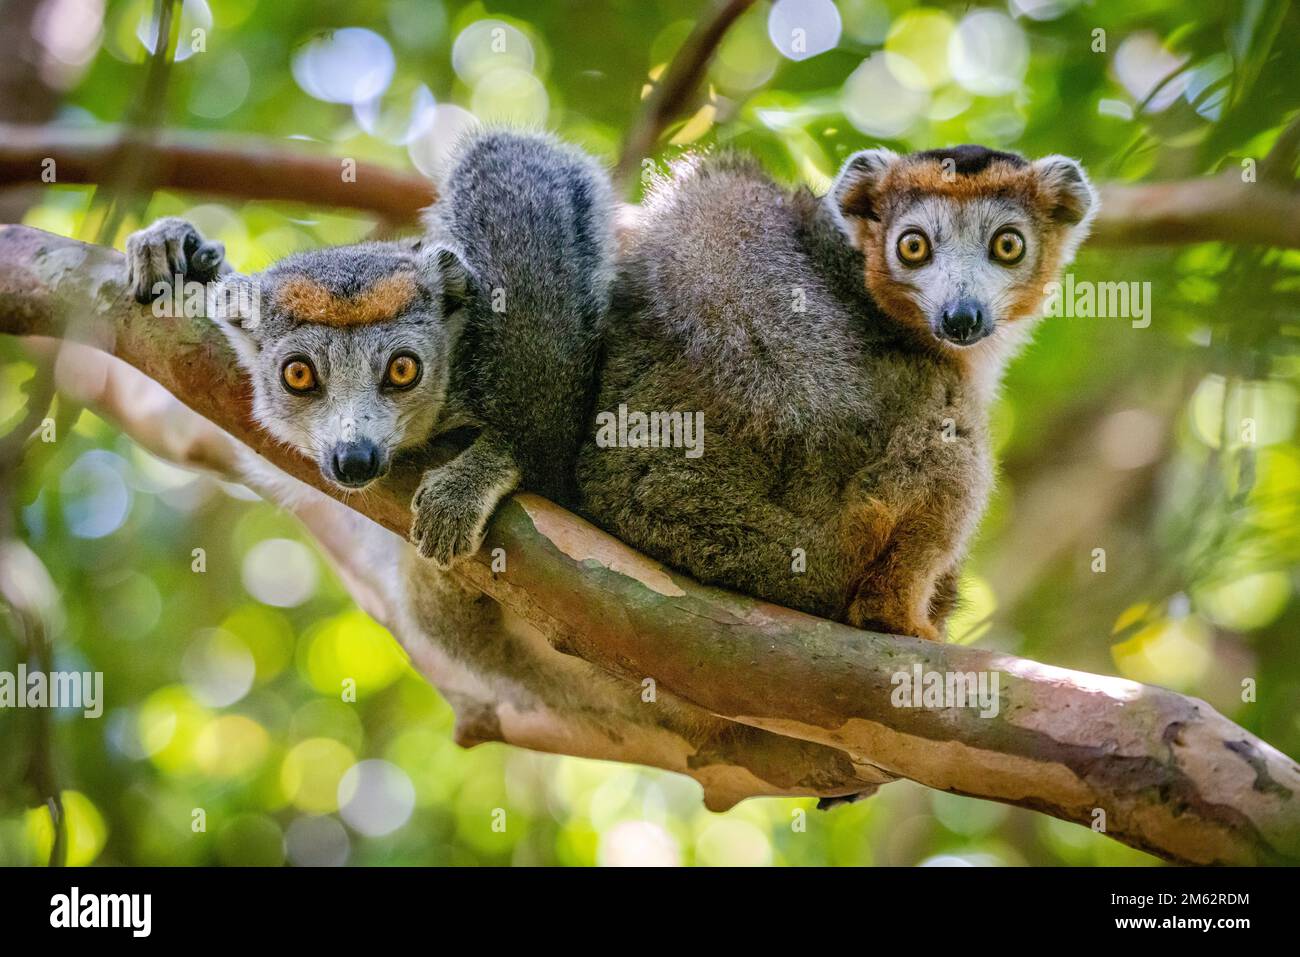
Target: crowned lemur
{"points": [[843, 352], [489, 322]]}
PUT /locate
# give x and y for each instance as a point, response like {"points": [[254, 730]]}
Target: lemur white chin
{"points": [[986, 361]]}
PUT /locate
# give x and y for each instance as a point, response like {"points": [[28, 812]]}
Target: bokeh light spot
{"points": [[988, 53], [877, 104], [231, 746], [345, 66], [1173, 652], [638, 844], [488, 45], [804, 28], [96, 499], [86, 830], [218, 668], [376, 798], [311, 772], [280, 572], [317, 841], [350, 646], [916, 50]]}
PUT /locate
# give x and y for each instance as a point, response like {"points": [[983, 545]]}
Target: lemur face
{"points": [[961, 243], [349, 352]]}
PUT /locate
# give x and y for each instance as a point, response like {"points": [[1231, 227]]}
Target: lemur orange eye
{"points": [[298, 375], [403, 371], [913, 247], [1008, 247]]}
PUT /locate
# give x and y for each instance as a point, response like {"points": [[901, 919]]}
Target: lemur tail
{"points": [[533, 220]]}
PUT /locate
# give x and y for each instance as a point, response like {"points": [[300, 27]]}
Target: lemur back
{"points": [[726, 278], [532, 220]]}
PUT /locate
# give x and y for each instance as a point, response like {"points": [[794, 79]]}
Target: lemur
{"points": [[491, 321], [844, 352]]}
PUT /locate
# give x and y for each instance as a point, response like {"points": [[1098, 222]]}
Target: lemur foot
{"points": [[165, 250], [863, 615], [452, 507]]}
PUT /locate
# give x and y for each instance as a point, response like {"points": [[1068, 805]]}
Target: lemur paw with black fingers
{"points": [[451, 514], [169, 248]]}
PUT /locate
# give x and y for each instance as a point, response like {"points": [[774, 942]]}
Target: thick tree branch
{"points": [[594, 716], [1196, 210], [1132, 214], [1171, 775]]}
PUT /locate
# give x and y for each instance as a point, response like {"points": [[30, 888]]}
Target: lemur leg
{"points": [[896, 592], [709, 518], [452, 506], [944, 601], [168, 249]]}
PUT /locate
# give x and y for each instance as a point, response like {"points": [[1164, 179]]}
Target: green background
{"points": [[1131, 440]]}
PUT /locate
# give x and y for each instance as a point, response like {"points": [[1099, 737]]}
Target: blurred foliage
{"points": [[1171, 447]]}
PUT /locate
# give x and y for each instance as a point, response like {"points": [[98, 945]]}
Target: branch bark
{"points": [[1172, 776], [1132, 214], [590, 714]]}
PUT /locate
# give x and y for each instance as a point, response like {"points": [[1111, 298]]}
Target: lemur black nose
{"points": [[355, 463], [964, 322]]}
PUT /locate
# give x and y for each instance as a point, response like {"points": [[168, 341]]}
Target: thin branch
{"points": [[1223, 208], [1163, 772], [28, 616], [241, 169], [1132, 214], [676, 86], [126, 182], [1280, 163]]}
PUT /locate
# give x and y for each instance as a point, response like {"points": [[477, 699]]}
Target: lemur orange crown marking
{"points": [[308, 301]]}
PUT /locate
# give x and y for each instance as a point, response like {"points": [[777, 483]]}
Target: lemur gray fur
{"points": [[844, 352], [356, 353]]}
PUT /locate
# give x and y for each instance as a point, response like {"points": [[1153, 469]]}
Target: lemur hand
{"points": [[169, 248], [454, 502]]}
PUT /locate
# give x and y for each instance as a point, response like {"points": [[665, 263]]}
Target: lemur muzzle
{"points": [[355, 463]]}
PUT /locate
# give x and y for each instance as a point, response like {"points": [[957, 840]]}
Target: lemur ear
{"points": [[448, 274], [855, 193], [1070, 196], [234, 303]]}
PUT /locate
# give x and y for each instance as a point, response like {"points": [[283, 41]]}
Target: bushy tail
{"points": [[533, 220]]}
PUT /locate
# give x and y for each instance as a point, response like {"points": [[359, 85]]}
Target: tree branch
{"points": [[594, 715], [1170, 774], [244, 168], [678, 83], [1132, 214], [1219, 208]]}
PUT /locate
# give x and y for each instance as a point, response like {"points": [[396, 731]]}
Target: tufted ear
{"points": [[1070, 197], [445, 274], [855, 194], [234, 303]]}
